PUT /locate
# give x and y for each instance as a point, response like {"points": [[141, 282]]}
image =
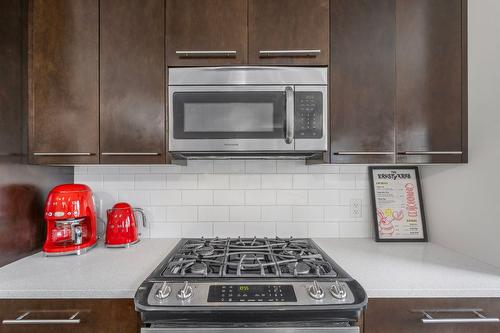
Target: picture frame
{"points": [[398, 210]]}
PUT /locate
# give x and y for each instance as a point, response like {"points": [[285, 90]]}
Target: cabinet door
{"points": [[431, 89], [132, 81], [206, 32], [63, 81], [288, 32], [397, 315], [362, 85], [94, 316]]}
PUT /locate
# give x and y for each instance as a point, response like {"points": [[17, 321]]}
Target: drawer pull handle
{"points": [[130, 154], [22, 321], [206, 54], [364, 153], [431, 153], [63, 154], [479, 317], [289, 53]]}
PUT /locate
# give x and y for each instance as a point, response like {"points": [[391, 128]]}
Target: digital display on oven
{"points": [[251, 293]]}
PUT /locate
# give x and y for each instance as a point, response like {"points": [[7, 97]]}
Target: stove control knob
{"points": [[338, 291], [164, 291], [315, 291], [185, 292]]}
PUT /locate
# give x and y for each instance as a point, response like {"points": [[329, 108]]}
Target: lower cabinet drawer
{"points": [[71, 315], [432, 315]]}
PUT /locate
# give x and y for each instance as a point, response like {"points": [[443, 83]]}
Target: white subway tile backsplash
{"points": [[182, 181], [260, 229], [308, 213], [135, 198], [308, 181], [150, 182], [292, 166], [182, 214], [229, 229], [213, 213], [324, 197], [198, 166], [277, 181], [323, 230], [118, 182], [340, 181], [245, 182], [211, 181], [229, 197], [336, 213], [355, 230], [231, 166], [232, 198], [260, 166], [296, 230], [194, 230], [166, 230], [245, 213], [166, 198], [197, 197], [260, 197], [291, 197], [277, 213]]}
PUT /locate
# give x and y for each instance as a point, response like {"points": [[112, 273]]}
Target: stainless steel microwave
{"points": [[247, 111]]}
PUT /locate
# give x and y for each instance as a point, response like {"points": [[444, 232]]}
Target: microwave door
{"points": [[231, 118]]}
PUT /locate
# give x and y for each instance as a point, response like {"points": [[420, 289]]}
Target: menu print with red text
{"points": [[397, 203]]}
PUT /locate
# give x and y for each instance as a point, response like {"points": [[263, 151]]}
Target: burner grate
{"points": [[248, 257]]}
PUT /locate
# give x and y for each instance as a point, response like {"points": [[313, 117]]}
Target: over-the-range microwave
{"points": [[248, 112]]}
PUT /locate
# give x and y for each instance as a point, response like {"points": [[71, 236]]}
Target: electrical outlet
{"points": [[355, 208]]}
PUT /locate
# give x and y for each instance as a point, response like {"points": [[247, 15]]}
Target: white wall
{"points": [[463, 202], [237, 198]]}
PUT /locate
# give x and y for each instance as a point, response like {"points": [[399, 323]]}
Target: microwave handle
{"points": [[290, 114]]}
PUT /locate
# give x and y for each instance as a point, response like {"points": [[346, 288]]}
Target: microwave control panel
{"points": [[308, 115]]}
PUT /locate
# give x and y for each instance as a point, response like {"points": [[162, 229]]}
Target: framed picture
{"points": [[398, 211]]}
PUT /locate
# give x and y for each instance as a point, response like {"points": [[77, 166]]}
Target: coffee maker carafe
{"points": [[71, 220]]}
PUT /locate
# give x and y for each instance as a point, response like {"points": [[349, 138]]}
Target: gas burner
{"points": [[205, 250], [299, 268], [199, 268]]}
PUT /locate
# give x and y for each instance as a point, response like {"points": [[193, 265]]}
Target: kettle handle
{"points": [[143, 215]]}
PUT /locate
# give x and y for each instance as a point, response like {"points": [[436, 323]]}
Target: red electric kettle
{"points": [[122, 229]]}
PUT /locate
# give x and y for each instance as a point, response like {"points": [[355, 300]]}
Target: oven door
{"points": [[231, 118]]}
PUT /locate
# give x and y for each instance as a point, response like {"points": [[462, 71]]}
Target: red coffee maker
{"points": [[71, 220], [122, 229]]}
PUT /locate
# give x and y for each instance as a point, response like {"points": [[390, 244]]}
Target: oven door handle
{"points": [[290, 114]]}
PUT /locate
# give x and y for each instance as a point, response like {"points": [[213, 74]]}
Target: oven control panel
{"points": [[308, 115], [251, 293]]}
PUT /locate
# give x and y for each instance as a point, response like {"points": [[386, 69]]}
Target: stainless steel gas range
{"points": [[249, 285]]}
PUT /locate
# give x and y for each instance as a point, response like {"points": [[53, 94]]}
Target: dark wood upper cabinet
{"points": [[206, 32], [64, 81], [431, 122], [397, 315], [362, 81], [132, 81], [288, 27]]}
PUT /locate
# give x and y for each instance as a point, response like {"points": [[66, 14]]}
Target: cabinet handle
{"points": [[130, 154], [206, 54], [480, 318], [289, 53], [364, 153], [63, 154], [290, 124], [431, 153], [21, 321]]}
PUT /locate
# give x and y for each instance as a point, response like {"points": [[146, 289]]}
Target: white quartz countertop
{"points": [[383, 269]]}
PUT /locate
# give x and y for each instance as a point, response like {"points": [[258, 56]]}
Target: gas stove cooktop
{"points": [[232, 275]]}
